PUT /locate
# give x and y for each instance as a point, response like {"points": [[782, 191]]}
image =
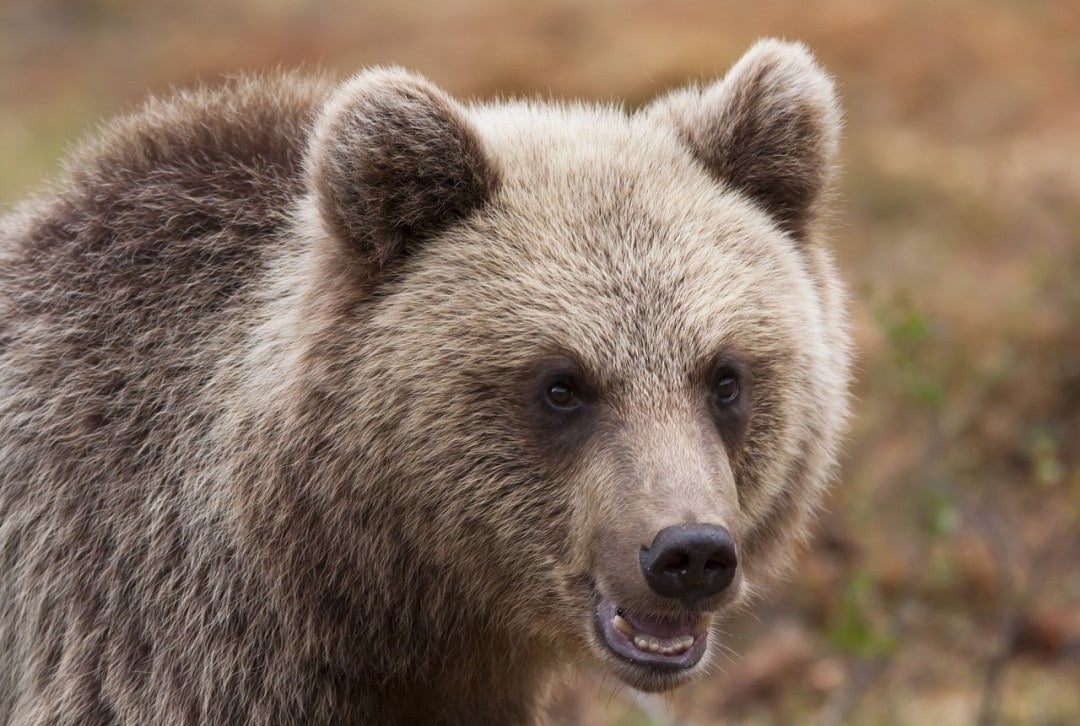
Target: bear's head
{"points": [[592, 366]]}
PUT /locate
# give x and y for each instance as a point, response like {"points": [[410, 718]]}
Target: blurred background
{"points": [[943, 585]]}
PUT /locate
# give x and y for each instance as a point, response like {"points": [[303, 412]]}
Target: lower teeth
{"points": [[664, 647]]}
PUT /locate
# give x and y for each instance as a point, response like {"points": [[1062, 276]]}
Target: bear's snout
{"points": [[689, 562]]}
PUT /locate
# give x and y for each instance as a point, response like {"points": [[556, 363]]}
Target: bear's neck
{"points": [[389, 638], [428, 656], [461, 691]]}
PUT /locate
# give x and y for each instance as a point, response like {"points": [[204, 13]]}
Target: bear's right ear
{"points": [[769, 129], [393, 160]]}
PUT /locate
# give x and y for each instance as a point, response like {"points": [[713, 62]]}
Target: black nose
{"points": [[689, 562]]}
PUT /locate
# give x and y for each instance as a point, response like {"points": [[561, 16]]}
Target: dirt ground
{"points": [[943, 585]]}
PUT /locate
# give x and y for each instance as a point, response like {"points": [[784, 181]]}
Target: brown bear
{"points": [[353, 403]]}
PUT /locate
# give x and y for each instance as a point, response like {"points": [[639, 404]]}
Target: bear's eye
{"points": [[727, 388], [562, 395]]}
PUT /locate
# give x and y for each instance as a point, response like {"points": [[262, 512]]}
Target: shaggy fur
{"points": [[272, 358]]}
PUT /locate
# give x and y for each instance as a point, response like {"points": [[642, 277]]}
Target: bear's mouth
{"points": [[670, 643]]}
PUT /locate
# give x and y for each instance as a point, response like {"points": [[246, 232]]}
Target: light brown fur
{"points": [[269, 447]]}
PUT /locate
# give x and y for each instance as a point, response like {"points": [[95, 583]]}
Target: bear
{"points": [[354, 403]]}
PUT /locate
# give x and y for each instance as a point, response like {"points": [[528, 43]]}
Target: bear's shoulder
{"points": [[232, 150]]}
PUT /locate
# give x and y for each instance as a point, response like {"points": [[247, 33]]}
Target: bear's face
{"points": [[607, 348]]}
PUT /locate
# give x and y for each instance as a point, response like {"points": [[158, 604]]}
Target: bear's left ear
{"points": [[769, 129], [392, 160]]}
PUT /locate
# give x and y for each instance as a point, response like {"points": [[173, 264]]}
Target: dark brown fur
{"points": [[400, 163]]}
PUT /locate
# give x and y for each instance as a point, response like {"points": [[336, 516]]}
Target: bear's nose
{"points": [[689, 562]]}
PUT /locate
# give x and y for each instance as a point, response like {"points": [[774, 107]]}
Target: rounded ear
{"points": [[393, 160], [769, 129]]}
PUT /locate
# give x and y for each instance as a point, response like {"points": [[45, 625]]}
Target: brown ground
{"points": [[943, 587]]}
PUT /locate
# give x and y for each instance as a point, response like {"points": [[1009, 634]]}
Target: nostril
{"points": [[713, 564], [722, 555], [677, 562]]}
